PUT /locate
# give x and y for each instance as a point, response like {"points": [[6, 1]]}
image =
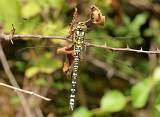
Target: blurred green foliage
{"points": [[140, 93], [129, 82], [82, 112], [113, 101], [44, 64]]}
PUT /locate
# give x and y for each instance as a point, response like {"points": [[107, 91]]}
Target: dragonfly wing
{"points": [[101, 38], [109, 61]]}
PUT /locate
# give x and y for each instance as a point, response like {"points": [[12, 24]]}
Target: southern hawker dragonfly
{"points": [[77, 39]]}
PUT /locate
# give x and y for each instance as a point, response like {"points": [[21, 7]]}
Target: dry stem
{"points": [[14, 83], [14, 37], [24, 91]]}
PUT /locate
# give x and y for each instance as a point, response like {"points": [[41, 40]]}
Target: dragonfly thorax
{"points": [[80, 31]]}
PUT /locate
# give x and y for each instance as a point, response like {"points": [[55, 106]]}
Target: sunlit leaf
{"points": [[30, 72], [10, 13], [139, 20], [140, 93], [148, 32], [56, 28], [30, 9], [30, 26], [113, 101], [156, 74], [41, 82], [82, 112], [56, 3], [51, 66], [43, 3], [156, 111], [158, 107], [47, 64]]}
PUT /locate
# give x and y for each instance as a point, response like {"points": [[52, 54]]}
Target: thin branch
{"points": [[24, 91], [124, 49], [14, 82], [14, 37]]}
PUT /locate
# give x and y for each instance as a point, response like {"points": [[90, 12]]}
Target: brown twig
{"points": [[9, 37], [127, 49], [14, 83], [14, 37], [24, 91]]}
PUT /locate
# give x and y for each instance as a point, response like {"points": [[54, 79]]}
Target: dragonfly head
{"points": [[81, 27]]}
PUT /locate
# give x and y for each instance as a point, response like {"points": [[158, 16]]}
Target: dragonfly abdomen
{"points": [[74, 79], [78, 41]]}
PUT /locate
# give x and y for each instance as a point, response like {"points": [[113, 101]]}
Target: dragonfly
{"points": [[78, 31], [78, 40]]}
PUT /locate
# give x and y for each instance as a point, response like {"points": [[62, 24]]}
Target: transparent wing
{"points": [[123, 63], [102, 38], [35, 25], [114, 63]]}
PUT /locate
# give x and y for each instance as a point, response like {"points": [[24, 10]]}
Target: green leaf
{"points": [[10, 13], [47, 64], [56, 3], [51, 66], [43, 3], [156, 74], [148, 32], [30, 72], [44, 64], [41, 82], [157, 107], [139, 20], [82, 112], [57, 27], [140, 93], [31, 25], [156, 111], [30, 9], [113, 101]]}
